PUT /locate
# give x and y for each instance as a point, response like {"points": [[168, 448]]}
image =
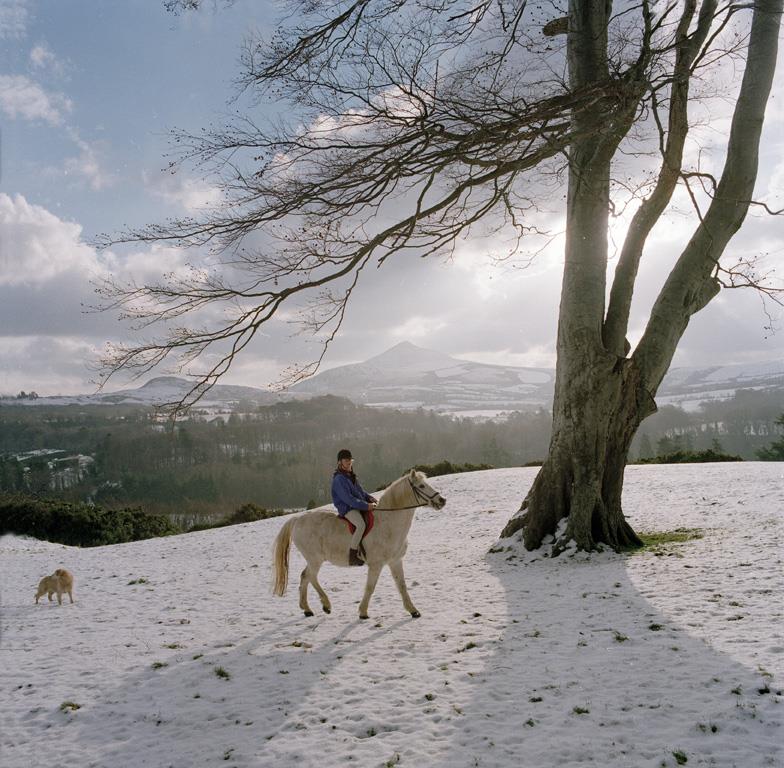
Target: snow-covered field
{"points": [[177, 655]]}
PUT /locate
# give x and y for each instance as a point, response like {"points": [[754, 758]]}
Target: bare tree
{"points": [[424, 119]]}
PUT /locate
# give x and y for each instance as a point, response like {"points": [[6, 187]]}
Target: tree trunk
{"points": [[598, 409]]}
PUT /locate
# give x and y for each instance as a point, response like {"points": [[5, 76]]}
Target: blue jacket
{"points": [[348, 495]]}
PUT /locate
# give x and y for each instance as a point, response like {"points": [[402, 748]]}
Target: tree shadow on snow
{"points": [[587, 671]]}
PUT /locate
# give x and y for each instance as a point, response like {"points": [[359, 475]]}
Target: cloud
{"points": [[21, 97], [14, 17], [47, 273], [43, 59], [192, 195], [48, 337], [45, 364], [87, 164], [37, 246]]}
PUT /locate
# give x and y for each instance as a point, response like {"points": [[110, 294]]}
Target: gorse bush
{"points": [[247, 513], [77, 524], [689, 457], [445, 467]]}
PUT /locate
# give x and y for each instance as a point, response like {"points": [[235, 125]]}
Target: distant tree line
{"points": [[744, 426], [276, 456], [283, 455], [775, 451]]}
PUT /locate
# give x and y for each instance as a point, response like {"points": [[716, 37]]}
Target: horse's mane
{"points": [[394, 495]]}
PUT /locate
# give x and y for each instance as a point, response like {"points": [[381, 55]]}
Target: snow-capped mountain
{"points": [[409, 376]]}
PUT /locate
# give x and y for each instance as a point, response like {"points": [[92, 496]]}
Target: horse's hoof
{"points": [[365, 617], [415, 614], [308, 613], [327, 609]]}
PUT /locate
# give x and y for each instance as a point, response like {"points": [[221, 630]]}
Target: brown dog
{"points": [[60, 581]]}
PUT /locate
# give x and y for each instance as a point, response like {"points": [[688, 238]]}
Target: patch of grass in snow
{"points": [[222, 673], [764, 672], [69, 706], [138, 581], [657, 540], [680, 757], [581, 711], [712, 727], [159, 664], [620, 637], [393, 761]]}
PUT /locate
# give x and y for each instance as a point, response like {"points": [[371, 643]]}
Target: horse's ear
{"points": [[413, 474]]}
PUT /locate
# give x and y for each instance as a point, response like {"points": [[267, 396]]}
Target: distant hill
{"points": [[162, 389], [688, 387], [407, 376]]}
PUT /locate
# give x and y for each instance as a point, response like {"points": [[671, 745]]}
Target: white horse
{"points": [[322, 536]]}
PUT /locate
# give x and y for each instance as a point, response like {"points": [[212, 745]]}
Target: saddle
{"points": [[369, 520]]}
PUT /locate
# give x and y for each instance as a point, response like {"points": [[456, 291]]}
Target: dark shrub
{"points": [[78, 525]]}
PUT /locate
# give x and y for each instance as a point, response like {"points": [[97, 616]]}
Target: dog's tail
{"points": [[280, 558]]}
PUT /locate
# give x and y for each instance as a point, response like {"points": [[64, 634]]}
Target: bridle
{"points": [[422, 497]]}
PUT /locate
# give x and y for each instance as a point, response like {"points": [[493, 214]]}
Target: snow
{"points": [[518, 659]]}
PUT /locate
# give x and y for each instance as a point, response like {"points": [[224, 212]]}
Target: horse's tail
{"points": [[280, 558]]}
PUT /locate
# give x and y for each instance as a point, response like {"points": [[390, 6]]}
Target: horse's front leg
{"points": [[372, 579], [396, 568]]}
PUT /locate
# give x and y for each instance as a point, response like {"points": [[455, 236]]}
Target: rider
{"points": [[351, 500]]}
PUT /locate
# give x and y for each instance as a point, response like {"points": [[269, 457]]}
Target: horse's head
{"points": [[424, 491]]}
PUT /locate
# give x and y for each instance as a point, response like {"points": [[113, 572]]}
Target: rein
{"points": [[420, 495]]}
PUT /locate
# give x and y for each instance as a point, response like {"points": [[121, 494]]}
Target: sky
{"points": [[89, 92]]}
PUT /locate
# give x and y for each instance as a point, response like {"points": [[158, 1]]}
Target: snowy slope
{"points": [[518, 660]]}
